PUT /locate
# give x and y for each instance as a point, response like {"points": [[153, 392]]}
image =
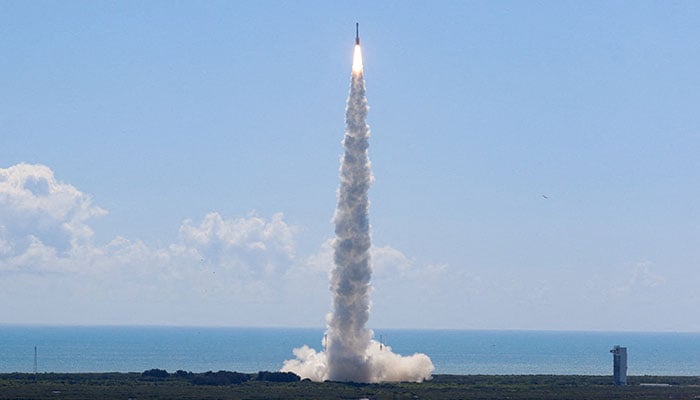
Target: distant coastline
{"points": [[66, 349]]}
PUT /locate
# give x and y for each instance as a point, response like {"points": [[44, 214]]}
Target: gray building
{"points": [[619, 364]]}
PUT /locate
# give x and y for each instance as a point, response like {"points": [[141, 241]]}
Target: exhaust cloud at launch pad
{"points": [[350, 353]]}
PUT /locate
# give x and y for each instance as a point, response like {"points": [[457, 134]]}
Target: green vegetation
{"points": [[158, 384]]}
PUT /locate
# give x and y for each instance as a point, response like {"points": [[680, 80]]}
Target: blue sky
{"points": [[192, 153]]}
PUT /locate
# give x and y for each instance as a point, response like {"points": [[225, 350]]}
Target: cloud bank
{"points": [[216, 271], [47, 245], [247, 271]]}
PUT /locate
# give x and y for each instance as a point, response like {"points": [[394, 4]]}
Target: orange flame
{"points": [[357, 60]]}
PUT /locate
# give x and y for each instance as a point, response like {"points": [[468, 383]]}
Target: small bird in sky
{"points": [[544, 196]]}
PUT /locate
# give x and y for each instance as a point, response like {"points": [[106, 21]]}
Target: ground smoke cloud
{"points": [[383, 365], [351, 354]]}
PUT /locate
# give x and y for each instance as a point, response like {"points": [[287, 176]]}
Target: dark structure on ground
{"points": [[619, 365]]}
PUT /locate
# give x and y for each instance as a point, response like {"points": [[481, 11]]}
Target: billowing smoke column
{"points": [[351, 354], [347, 336]]}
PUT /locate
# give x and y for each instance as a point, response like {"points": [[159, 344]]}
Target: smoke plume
{"points": [[350, 353]]}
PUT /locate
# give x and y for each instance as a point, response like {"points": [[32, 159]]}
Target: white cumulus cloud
{"points": [[41, 219], [251, 244], [47, 245]]}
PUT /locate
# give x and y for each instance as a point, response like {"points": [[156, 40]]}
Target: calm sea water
{"points": [[135, 349]]}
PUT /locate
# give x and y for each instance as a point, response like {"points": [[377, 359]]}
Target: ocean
{"points": [[136, 349]]}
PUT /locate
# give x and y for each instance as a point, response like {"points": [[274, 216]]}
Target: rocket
{"points": [[357, 56]]}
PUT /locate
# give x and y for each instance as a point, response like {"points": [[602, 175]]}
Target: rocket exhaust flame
{"points": [[357, 60], [357, 55], [350, 353]]}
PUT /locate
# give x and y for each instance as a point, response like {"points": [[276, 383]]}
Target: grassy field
{"points": [[123, 386]]}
